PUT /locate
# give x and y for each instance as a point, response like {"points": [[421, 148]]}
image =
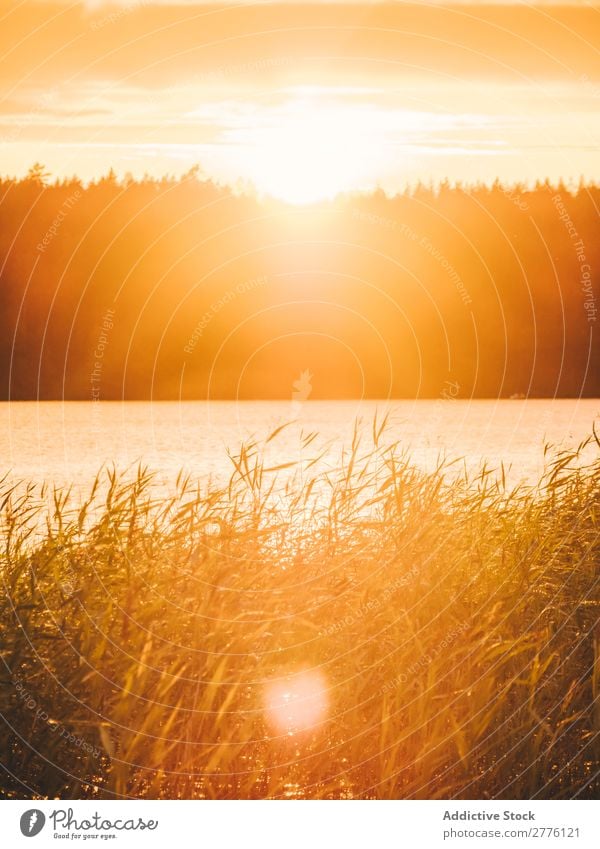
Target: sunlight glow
{"points": [[296, 703], [308, 149]]}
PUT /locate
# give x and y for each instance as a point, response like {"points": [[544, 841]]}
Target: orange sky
{"points": [[304, 100]]}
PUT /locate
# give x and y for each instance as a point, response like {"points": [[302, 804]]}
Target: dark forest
{"points": [[183, 288]]}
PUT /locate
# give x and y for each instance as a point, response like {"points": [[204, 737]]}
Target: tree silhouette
{"points": [[492, 287]]}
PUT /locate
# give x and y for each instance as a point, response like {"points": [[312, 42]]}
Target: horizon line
{"points": [[38, 173]]}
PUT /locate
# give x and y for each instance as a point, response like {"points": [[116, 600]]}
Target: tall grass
{"points": [[450, 620]]}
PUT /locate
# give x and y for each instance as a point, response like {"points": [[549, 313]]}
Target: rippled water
{"points": [[66, 443]]}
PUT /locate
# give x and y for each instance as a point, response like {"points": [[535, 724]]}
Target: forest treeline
{"points": [[183, 288]]}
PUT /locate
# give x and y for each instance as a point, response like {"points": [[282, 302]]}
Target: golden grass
{"points": [[452, 621]]}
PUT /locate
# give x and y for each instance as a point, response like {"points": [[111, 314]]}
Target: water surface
{"points": [[67, 442]]}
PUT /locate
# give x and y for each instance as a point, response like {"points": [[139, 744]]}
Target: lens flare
{"points": [[296, 703]]}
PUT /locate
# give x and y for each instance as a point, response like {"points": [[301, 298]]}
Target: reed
{"points": [[442, 626]]}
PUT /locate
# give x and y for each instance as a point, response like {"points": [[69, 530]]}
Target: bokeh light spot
{"points": [[296, 703]]}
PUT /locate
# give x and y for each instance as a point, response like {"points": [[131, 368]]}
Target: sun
{"points": [[308, 150]]}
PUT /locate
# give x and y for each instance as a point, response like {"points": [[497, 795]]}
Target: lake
{"points": [[67, 442]]}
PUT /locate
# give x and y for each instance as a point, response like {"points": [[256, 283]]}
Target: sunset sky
{"points": [[304, 100]]}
